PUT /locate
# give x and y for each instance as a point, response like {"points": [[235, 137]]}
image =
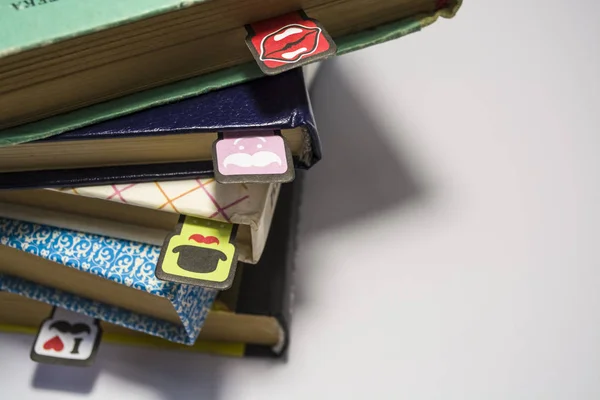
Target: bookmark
{"points": [[288, 41], [200, 252], [67, 338], [252, 157]]}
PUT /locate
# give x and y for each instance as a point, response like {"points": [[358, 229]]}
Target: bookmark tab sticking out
{"points": [[288, 41], [67, 338], [200, 252], [252, 157]]}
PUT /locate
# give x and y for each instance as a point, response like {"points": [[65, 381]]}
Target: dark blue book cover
{"points": [[278, 102]]}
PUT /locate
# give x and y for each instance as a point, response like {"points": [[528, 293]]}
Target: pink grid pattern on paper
{"points": [[182, 197]]}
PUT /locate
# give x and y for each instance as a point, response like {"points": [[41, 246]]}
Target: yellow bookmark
{"points": [[200, 252]]}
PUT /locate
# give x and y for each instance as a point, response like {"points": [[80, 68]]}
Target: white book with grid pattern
{"points": [[114, 210]]}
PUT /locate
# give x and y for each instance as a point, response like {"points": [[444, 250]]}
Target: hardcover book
{"points": [[251, 318], [167, 142], [148, 212], [140, 53], [100, 277]]}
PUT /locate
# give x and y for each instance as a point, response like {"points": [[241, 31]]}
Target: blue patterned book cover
{"points": [[125, 262]]}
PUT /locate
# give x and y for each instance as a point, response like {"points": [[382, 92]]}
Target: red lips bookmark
{"points": [[288, 41]]}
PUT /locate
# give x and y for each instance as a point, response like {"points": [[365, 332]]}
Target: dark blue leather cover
{"points": [[274, 102]]}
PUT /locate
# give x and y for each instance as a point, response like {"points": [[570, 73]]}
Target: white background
{"points": [[450, 238]]}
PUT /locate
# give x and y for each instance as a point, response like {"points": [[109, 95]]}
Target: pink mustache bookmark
{"points": [[252, 157]]}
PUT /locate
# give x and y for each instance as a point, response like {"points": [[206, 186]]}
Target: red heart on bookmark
{"points": [[55, 344]]}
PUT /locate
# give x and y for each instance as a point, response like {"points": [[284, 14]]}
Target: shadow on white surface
{"points": [[168, 375], [63, 378], [173, 374], [360, 175]]}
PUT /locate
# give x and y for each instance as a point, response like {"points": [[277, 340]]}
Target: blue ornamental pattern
{"points": [[125, 262]]}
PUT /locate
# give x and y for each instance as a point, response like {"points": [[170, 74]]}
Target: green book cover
{"points": [[25, 24], [189, 87]]}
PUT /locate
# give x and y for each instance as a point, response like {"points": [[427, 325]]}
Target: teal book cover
{"points": [[25, 24], [18, 31]]}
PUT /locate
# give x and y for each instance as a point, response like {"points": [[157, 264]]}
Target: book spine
{"points": [[267, 288]]}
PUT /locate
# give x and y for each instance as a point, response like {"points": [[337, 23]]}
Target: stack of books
{"points": [[151, 160]]}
